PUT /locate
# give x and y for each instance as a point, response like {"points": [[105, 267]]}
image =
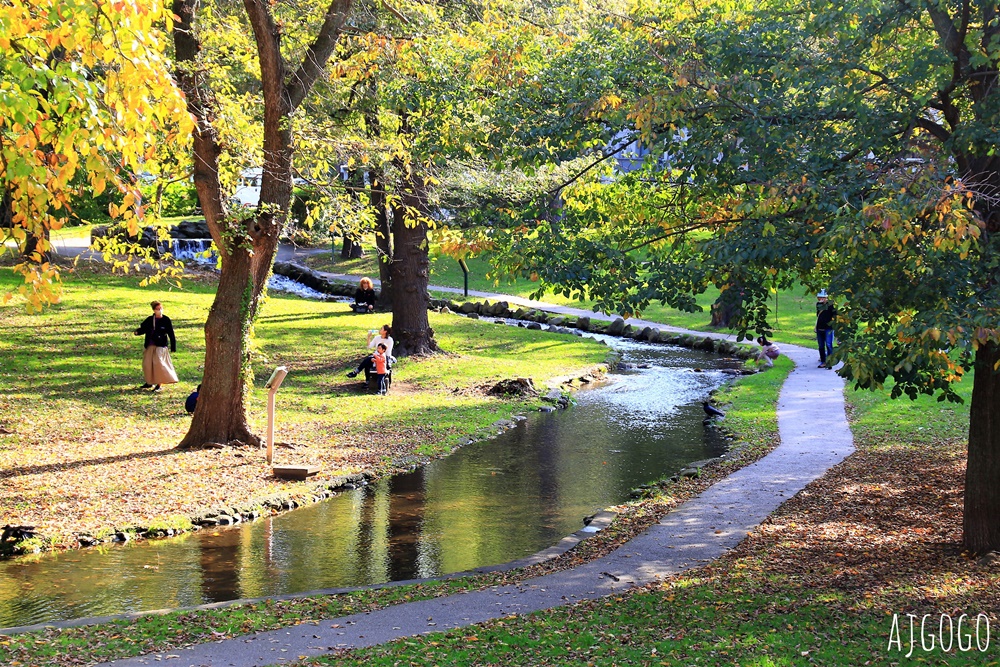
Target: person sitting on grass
{"points": [[364, 297], [381, 362], [383, 337]]}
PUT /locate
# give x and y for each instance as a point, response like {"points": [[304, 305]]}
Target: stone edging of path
{"points": [[814, 437]]}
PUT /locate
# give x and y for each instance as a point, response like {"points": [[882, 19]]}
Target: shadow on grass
{"points": [[60, 467]]}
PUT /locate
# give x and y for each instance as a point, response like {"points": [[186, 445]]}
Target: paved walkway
{"points": [[814, 436]]}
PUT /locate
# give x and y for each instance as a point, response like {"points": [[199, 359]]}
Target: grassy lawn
{"points": [[75, 232], [820, 582], [794, 310], [71, 398]]}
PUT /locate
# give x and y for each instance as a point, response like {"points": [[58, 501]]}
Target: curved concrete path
{"points": [[814, 436]]}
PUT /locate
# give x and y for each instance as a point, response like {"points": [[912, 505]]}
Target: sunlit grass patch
{"points": [[71, 397]]}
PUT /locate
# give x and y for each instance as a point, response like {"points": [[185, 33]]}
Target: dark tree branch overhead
{"points": [[939, 132]]}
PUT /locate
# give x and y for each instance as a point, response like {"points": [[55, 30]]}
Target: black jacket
{"points": [[365, 296], [825, 318], [157, 332]]}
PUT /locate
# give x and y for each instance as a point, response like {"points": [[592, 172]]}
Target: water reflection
{"points": [[488, 503]]}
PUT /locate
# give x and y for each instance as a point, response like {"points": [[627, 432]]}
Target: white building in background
{"points": [[247, 192], [634, 154]]}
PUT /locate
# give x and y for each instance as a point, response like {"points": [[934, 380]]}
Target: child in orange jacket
{"points": [[381, 362]]}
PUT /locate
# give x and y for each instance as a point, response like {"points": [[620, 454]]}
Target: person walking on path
{"points": [[825, 312], [157, 367]]}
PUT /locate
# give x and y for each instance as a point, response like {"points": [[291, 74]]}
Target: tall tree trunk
{"points": [[6, 210], [981, 518], [221, 417], [377, 199], [31, 248], [410, 273], [351, 249], [727, 311], [158, 198], [723, 315], [246, 247], [982, 474]]}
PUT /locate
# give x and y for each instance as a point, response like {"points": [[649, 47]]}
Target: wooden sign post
{"points": [[285, 471], [272, 386]]}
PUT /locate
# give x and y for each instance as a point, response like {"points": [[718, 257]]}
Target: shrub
{"points": [[176, 199]]}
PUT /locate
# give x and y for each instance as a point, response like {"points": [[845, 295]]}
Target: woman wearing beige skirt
{"points": [[157, 367]]}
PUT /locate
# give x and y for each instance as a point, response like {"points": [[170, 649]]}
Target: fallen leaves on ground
{"points": [[89, 481]]}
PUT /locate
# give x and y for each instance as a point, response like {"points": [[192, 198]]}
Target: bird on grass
{"points": [[711, 410]]}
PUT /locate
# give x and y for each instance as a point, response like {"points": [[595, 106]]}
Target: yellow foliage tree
{"points": [[86, 94]]}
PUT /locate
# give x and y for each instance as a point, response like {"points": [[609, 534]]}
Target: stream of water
{"points": [[487, 503]]}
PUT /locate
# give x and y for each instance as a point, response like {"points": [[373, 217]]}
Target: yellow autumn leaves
{"points": [[87, 94]]}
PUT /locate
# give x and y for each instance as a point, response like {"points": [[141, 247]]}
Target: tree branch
{"points": [[319, 52], [579, 174], [936, 130], [946, 30]]}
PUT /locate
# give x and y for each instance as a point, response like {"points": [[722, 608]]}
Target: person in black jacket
{"points": [[364, 297], [825, 312], [157, 368]]}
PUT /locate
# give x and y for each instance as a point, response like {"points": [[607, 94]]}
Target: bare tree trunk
{"points": [[32, 253], [222, 418], [351, 249], [6, 210], [158, 198], [378, 201], [727, 311], [722, 314], [982, 474], [981, 517]]}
